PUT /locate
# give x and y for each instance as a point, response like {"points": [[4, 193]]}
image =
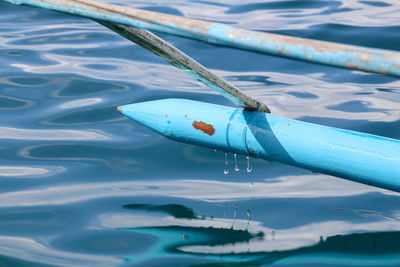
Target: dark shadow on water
{"points": [[9, 261], [262, 80], [188, 235]]}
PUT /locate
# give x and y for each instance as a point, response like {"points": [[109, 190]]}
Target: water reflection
{"points": [[187, 236], [80, 103], [26, 251], [29, 172], [117, 193], [306, 187], [14, 103], [372, 249], [262, 239], [54, 134]]}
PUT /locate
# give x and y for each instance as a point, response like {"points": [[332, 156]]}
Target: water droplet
{"points": [[273, 235], [226, 171], [249, 168], [251, 184], [215, 150], [236, 164], [248, 213], [223, 220], [234, 215]]}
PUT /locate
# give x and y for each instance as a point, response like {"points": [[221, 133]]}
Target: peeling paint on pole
{"points": [[328, 53]]}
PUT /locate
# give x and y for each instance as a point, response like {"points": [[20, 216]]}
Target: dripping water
{"points": [[223, 220], [248, 213], [249, 168], [236, 164], [226, 171], [234, 215]]}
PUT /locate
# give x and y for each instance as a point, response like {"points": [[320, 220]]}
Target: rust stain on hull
{"points": [[204, 127]]}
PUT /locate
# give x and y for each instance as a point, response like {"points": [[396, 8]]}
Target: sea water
{"points": [[82, 185]]}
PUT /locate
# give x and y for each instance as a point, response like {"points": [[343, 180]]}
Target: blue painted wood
{"points": [[356, 156], [334, 54]]}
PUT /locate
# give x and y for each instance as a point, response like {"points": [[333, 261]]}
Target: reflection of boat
{"points": [[366, 249], [189, 237], [172, 239]]}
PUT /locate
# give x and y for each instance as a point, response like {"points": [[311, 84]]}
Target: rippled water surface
{"points": [[81, 185]]}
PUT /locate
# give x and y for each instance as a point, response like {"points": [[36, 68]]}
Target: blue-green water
{"points": [[81, 185]]}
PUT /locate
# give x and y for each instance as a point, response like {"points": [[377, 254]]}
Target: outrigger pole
{"points": [[355, 156], [328, 53], [182, 61]]}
